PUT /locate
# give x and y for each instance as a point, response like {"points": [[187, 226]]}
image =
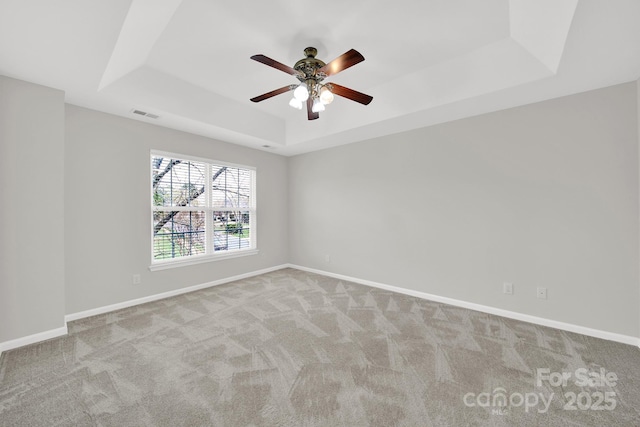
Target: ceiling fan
{"points": [[311, 72]]}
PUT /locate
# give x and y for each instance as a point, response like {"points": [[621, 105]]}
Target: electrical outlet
{"points": [[327, 258], [507, 288], [541, 293], [136, 279]]}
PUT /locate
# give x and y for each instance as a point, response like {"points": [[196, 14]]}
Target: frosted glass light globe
{"points": [[296, 103], [326, 97], [317, 106], [301, 93]]}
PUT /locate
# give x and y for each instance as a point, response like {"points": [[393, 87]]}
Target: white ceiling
{"points": [[427, 62]]}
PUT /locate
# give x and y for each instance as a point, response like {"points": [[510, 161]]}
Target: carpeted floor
{"points": [[291, 348]]}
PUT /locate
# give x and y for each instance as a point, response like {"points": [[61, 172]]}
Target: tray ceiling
{"points": [[187, 61]]}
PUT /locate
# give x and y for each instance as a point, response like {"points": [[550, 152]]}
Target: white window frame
{"points": [[210, 254]]}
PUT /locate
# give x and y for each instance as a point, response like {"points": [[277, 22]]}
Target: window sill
{"points": [[163, 265]]}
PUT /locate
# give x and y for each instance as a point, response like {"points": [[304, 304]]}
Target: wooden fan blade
{"points": [[275, 64], [310, 114], [351, 94], [344, 61], [272, 93]]}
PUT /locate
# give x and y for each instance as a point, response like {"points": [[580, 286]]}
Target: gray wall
{"points": [[107, 217], [32, 213], [540, 195]]}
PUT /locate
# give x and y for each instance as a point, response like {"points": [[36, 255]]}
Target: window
{"points": [[201, 209]]}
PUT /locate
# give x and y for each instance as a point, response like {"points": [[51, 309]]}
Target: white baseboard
{"points": [[54, 333], [31, 339], [611, 336], [156, 297]]}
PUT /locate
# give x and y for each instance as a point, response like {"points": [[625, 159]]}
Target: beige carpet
{"points": [[290, 348]]}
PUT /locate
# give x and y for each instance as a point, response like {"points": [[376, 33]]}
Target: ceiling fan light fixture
{"points": [[301, 93], [317, 106], [310, 73], [296, 103], [326, 97]]}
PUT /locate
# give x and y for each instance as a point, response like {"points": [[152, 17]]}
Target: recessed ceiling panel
{"points": [[209, 43]]}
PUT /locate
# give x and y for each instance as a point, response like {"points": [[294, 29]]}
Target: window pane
{"points": [[178, 182], [244, 188], [219, 182], [231, 230], [178, 234], [231, 187]]}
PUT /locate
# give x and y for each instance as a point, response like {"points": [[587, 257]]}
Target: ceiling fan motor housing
{"points": [[309, 66]]}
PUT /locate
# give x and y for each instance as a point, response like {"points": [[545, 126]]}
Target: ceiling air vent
{"points": [[144, 113]]}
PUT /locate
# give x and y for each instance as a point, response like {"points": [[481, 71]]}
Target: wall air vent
{"points": [[144, 113]]}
